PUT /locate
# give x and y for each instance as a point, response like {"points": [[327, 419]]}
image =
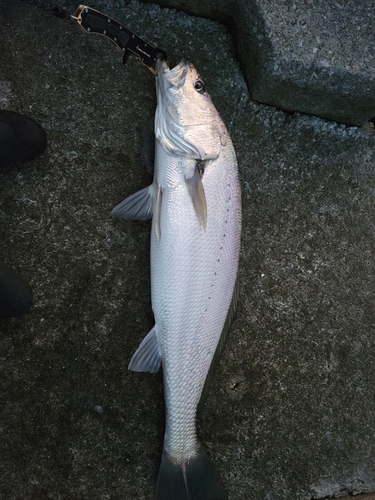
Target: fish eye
{"points": [[199, 86]]}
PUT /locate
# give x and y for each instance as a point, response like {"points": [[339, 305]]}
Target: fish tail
{"points": [[195, 479]]}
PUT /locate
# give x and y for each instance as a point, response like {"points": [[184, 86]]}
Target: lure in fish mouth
{"points": [[195, 205]]}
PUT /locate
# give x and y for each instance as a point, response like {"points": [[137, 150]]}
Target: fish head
{"points": [[186, 121]]}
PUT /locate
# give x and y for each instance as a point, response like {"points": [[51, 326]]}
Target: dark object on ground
{"points": [[16, 295], [21, 138]]}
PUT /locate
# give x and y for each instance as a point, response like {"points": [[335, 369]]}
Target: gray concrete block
{"points": [[315, 57], [311, 56]]}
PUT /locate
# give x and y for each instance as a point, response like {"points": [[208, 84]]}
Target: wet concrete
{"points": [[291, 413]]}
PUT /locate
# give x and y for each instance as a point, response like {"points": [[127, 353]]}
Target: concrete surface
{"points": [[311, 56], [291, 413]]}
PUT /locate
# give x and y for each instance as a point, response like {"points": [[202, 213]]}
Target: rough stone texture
{"points": [[291, 413], [312, 56], [218, 10]]}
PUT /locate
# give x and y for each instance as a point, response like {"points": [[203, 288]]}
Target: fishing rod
{"points": [[94, 22]]}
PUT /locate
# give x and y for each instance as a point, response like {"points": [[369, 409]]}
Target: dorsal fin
{"points": [[220, 347]]}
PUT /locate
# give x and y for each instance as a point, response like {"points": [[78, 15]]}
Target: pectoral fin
{"points": [[147, 358], [137, 206], [198, 197]]}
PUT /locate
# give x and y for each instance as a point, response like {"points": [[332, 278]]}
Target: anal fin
{"points": [[147, 358]]}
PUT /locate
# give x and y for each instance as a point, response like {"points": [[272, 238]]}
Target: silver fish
{"points": [[195, 205]]}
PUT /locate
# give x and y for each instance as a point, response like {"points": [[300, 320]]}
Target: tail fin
{"points": [[196, 479]]}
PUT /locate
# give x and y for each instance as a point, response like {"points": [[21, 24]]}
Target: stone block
{"points": [[310, 56], [314, 57]]}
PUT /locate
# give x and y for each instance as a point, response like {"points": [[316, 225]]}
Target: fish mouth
{"points": [[172, 78]]}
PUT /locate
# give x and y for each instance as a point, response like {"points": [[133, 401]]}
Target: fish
{"points": [[195, 205]]}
